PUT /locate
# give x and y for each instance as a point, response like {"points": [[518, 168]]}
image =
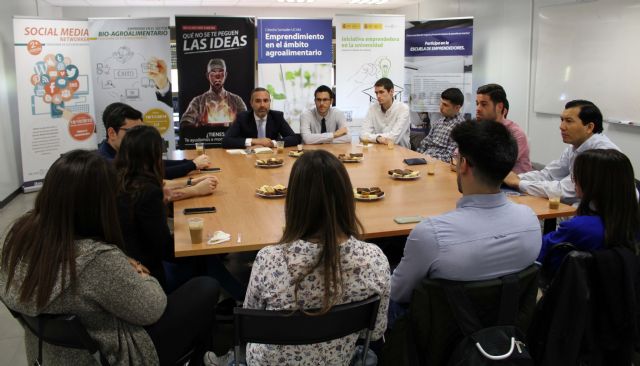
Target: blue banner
{"points": [[439, 42], [294, 41]]}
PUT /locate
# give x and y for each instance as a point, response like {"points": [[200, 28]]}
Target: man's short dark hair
{"points": [[454, 95], [385, 83], [324, 89], [495, 92], [488, 147], [589, 112], [258, 89], [114, 115]]}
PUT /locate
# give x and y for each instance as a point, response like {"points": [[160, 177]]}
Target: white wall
{"points": [[544, 133], [10, 167]]}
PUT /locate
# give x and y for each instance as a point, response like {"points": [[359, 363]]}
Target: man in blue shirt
{"points": [[486, 236], [118, 118]]}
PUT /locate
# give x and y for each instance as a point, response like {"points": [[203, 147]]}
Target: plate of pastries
{"points": [[267, 191], [269, 163], [404, 174], [296, 153], [350, 157], [368, 193]]}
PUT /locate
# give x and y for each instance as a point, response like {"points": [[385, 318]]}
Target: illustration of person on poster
{"points": [[216, 105], [222, 49]]}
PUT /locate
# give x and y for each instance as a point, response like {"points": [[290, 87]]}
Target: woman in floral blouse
{"points": [[319, 263]]}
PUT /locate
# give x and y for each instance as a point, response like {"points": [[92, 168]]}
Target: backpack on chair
{"points": [[501, 344]]}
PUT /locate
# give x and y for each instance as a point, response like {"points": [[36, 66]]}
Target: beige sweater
{"points": [[113, 302]]}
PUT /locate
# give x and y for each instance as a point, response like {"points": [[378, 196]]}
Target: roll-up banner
{"points": [[438, 56], [131, 64], [215, 75], [54, 89], [294, 58], [368, 47]]}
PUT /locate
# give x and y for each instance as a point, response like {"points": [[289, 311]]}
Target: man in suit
{"points": [[259, 126]]}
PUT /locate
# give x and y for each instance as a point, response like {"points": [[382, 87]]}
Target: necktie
{"points": [[324, 126], [261, 131]]}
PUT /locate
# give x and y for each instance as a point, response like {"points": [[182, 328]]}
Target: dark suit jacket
{"points": [[245, 127]]}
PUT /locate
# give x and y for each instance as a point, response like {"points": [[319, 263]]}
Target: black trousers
{"points": [[187, 323]]}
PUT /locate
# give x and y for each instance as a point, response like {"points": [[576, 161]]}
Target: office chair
{"points": [[63, 330], [429, 334], [297, 328]]}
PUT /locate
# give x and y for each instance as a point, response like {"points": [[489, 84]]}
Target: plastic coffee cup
{"points": [[390, 144], [280, 147], [196, 226], [554, 203], [431, 166], [199, 148]]}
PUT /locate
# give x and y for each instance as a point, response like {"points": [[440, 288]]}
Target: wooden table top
{"points": [[259, 222]]}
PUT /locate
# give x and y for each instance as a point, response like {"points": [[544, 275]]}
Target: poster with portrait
{"points": [[368, 47], [294, 58], [55, 92], [216, 73], [131, 63]]}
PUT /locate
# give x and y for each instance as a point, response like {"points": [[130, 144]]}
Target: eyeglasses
{"points": [[323, 100], [125, 129]]}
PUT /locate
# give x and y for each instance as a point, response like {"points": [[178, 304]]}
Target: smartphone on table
{"points": [[198, 210]]}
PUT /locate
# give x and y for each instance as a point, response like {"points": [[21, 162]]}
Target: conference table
{"points": [[254, 222]]}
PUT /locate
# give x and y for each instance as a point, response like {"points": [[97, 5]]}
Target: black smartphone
{"points": [[197, 210], [415, 161], [210, 170]]}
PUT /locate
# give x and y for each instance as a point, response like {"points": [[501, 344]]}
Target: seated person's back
{"points": [[608, 214], [487, 235], [104, 291], [294, 275]]}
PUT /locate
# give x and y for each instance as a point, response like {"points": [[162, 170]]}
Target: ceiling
{"points": [[336, 4]]}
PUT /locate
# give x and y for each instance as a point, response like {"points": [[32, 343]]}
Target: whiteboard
{"points": [[589, 51]]}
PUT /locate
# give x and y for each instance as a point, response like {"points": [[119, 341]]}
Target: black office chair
{"points": [[590, 313], [63, 330], [297, 328], [429, 333]]}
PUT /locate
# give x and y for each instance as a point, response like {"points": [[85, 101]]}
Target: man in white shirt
{"points": [[324, 124], [387, 120], [581, 128]]}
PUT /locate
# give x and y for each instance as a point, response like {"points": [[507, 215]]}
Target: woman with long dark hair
{"points": [[64, 257], [142, 212], [319, 263], [608, 215], [143, 215]]}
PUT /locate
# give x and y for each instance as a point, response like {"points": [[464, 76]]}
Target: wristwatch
{"points": [[189, 182]]}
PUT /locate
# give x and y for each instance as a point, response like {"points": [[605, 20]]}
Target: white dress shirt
{"points": [[555, 179], [311, 127], [392, 124]]}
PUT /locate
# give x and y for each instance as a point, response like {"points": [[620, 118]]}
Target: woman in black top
{"points": [[143, 215]]}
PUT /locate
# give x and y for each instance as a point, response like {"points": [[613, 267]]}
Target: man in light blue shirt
{"points": [[581, 128], [487, 235], [324, 124]]}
